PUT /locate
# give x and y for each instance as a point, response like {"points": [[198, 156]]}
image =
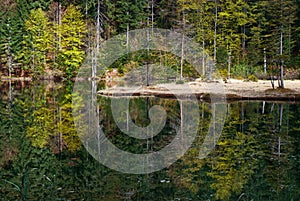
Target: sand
{"points": [[232, 90]]}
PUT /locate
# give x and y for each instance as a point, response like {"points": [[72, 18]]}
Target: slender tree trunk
{"points": [[127, 37], [148, 41], [182, 45], [272, 78], [203, 57], [9, 59], [289, 42], [244, 42], [59, 24], [281, 49], [95, 62], [215, 32], [98, 27], [148, 54], [281, 60], [229, 64], [152, 16], [87, 25], [265, 61]]}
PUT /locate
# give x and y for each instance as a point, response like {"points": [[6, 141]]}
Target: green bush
{"points": [[179, 81], [223, 73], [252, 78]]}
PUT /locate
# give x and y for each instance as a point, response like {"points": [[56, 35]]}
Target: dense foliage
{"points": [[52, 37]]}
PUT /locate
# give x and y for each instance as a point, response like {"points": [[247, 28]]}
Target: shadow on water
{"points": [[257, 156]]}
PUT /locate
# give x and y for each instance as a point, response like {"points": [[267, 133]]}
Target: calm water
{"points": [[256, 157]]}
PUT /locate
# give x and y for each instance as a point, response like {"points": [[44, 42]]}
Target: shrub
{"points": [[179, 81], [252, 78]]}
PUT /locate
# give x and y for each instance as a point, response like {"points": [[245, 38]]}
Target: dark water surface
{"points": [[256, 157]]}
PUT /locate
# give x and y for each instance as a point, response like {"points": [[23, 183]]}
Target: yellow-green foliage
{"points": [[252, 78]]}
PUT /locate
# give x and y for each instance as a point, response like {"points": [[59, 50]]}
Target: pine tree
{"points": [[232, 18], [281, 15], [201, 15]]}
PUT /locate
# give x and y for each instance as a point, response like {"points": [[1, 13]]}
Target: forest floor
{"points": [[232, 90]]}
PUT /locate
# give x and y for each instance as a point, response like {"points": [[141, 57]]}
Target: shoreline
{"points": [[231, 91]]}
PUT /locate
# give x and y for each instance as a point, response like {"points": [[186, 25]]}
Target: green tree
{"points": [[232, 19], [72, 32], [201, 15], [37, 41]]}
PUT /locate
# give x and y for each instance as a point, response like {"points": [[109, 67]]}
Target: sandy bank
{"points": [[233, 90]]}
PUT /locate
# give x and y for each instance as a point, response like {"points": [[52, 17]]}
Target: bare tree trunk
{"points": [[203, 58], [281, 61], [127, 37], [244, 42], [203, 50], [272, 78], [281, 50], [147, 64], [152, 16], [59, 24], [229, 64], [182, 45], [98, 27], [215, 32], [151, 13], [9, 62], [265, 61]]}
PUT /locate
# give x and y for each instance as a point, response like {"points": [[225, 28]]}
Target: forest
{"points": [[246, 39]]}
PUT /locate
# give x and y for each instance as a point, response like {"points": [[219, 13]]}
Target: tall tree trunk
{"points": [[127, 37], [229, 64], [59, 24], [215, 32], [182, 45], [265, 61], [281, 49], [203, 57], [148, 54], [98, 27], [152, 16], [281, 61]]}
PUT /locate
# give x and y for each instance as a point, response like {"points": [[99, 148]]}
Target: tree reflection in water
{"points": [[42, 158]]}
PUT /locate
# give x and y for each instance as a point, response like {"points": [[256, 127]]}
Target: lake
{"points": [[256, 155]]}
